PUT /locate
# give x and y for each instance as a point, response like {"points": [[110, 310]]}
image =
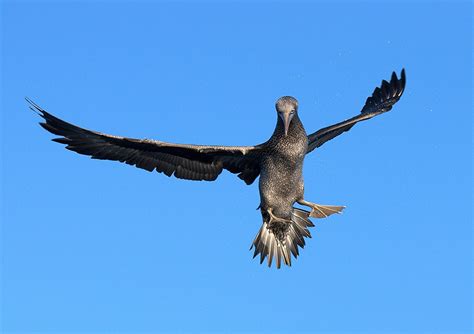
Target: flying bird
{"points": [[278, 162]]}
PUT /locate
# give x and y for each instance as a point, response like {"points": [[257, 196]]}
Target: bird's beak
{"points": [[286, 117]]}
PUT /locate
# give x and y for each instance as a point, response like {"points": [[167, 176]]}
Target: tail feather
{"points": [[303, 214], [280, 241]]}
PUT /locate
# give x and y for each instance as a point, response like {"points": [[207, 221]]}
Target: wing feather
{"points": [[382, 100], [191, 162]]}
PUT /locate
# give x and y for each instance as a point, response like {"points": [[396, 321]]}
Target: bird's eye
{"points": [[292, 112]]}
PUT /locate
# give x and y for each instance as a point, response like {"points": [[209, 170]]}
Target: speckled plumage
{"points": [[278, 161], [281, 174]]}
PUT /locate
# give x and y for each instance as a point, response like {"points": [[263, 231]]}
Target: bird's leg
{"points": [[321, 211], [274, 218]]}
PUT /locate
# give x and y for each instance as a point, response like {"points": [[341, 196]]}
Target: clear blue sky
{"points": [[94, 246]]}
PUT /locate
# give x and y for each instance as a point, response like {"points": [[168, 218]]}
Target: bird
{"points": [[278, 162]]}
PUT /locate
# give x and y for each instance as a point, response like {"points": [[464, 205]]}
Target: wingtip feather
{"points": [[402, 81]]}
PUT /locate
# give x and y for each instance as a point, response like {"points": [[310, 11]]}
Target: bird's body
{"points": [[281, 176], [278, 162]]}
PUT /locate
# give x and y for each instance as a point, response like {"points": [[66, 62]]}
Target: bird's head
{"points": [[286, 107]]}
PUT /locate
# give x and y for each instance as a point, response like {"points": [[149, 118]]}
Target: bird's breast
{"points": [[291, 149], [281, 174]]}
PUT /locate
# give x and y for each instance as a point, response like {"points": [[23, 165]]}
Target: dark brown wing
{"points": [[191, 162], [382, 100]]}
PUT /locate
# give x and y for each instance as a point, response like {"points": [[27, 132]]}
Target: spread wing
{"points": [[191, 162], [382, 100]]}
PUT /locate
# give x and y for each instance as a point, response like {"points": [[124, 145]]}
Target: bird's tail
{"points": [[281, 239]]}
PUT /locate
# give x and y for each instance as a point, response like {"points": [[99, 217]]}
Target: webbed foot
{"points": [[322, 211], [274, 218]]}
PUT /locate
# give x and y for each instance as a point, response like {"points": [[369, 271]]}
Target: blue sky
{"points": [[95, 246]]}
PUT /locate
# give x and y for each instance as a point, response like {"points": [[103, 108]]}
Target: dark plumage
{"points": [[278, 161]]}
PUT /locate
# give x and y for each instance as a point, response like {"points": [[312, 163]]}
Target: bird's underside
{"points": [[284, 227]]}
